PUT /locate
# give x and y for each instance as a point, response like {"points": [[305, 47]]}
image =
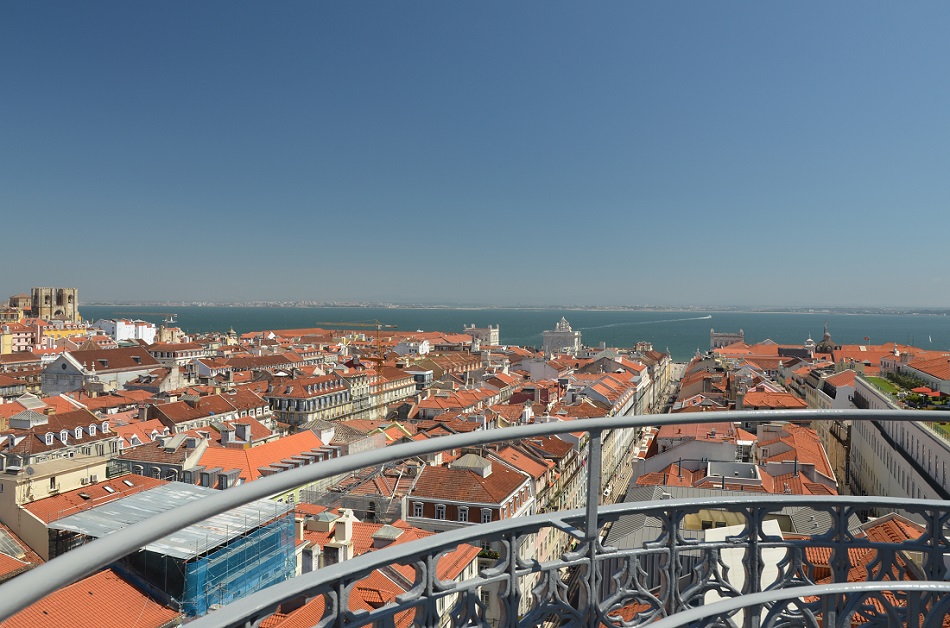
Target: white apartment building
{"points": [[124, 329], [907, 459]]}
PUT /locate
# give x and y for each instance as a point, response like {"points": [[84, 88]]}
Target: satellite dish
{"points": [[30, 470]]}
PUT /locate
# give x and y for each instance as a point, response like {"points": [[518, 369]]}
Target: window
{"points": [[463, 514], [49, 439], [417, 510], [78, 432], [440, 511], [486, 515]]}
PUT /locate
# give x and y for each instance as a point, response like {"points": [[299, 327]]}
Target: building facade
{"points": [[562, 339], [55, 304]]}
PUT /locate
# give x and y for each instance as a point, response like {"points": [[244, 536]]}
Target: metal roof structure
{"points": [[187, 543]]}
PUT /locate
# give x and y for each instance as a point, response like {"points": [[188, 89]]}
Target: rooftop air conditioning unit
{"points": [[94, 478], [84, 480]]}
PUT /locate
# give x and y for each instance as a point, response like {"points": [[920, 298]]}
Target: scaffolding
{"points": [[210, 563], [360, 493], [257, 560]]}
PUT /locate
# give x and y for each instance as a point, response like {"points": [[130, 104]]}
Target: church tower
{"points": [[56, 304]]}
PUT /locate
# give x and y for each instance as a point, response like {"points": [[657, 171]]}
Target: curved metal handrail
{"points": [[700, 615], [43, 580], [265, 602]]}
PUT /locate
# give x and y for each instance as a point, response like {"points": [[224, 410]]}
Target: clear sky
{"points": [[767, 153]]}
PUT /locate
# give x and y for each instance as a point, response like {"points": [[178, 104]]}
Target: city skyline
{"points": [[615, 154]]}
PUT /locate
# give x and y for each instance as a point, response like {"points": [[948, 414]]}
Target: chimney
{"points": [[243, 431], [227, 435], [343, 527], [299, 527]]}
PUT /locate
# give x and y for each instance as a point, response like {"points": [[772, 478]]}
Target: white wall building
{"points": [[562, 339], [124, 329], [908, 459], [486, 335]]}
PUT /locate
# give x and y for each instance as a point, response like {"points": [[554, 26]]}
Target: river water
{"points": [[680, 332]]}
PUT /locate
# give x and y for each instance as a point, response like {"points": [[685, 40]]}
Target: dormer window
{"points": [[92, 429], [64, 435], [49, 438], [78, 433], [105, 426]]}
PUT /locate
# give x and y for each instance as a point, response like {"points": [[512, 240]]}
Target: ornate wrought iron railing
{"points": [[750, 576]]}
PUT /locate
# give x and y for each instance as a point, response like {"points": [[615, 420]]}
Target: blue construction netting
{"points": [[247, 564]]}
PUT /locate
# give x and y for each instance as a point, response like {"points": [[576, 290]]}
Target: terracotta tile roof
{"points": [[893, 529], [938, 368], [10, 566], [142, 430], [769, 399], [113, 602], [467, 486], [844, 378], [716, 432], [123, 358], [249, 461], [33, 439], [524, 463], [377, 588], [178, 412], [104, 402], [550, 446], [16, 563], [801, 443]]}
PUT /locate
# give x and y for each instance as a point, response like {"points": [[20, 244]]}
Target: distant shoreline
{"points": [[929, 311]]}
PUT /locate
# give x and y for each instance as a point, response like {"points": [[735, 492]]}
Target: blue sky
{"points": [[480, 153]]}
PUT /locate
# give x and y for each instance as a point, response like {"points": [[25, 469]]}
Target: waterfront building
{"points": [[724, 339], [485, 335], [561, 339], [124, 329], [935, 372]]}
